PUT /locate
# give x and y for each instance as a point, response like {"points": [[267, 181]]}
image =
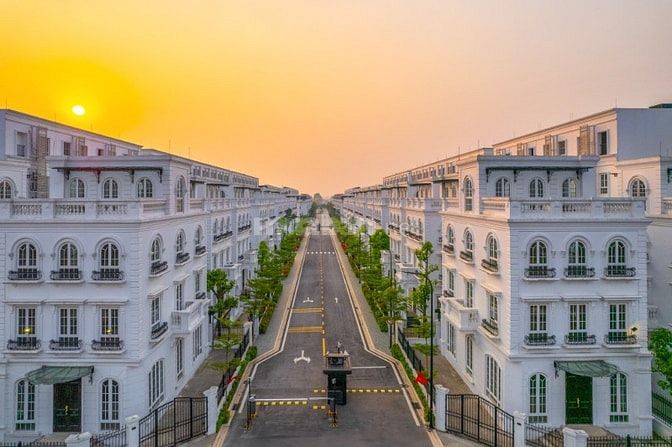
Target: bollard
{"points": [[79, 440], [519, 429], [440, 405], [133, 431]]}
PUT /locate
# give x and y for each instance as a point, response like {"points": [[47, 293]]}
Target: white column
{"points": [[133, 431], [574, 438], [440, 407], [519, 429], [211, 395], [79, 440]]}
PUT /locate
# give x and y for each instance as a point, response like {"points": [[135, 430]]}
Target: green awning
{"points": [[49, 375], [588, 368]]}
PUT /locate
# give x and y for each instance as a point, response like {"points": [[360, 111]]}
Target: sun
{"points": [[78, 110]]}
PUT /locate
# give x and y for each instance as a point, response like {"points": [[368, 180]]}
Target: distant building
{"points": [[554, 252], [104, 252]]}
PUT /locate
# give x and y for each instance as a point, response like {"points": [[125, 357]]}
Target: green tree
{"points": [[660, 344]]}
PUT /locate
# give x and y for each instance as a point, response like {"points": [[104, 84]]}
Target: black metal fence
{"points": [[115, 438], [477, 418], [229, 374], [33, 444], [174, 422], [628, 441], [538, 436], [410, 353], [662, 408]]}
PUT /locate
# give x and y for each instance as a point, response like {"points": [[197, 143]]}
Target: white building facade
{"points": [[104, 253], [554, 263]]}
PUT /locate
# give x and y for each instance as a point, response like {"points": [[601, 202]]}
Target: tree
{"points": [[220, 285], [660, 344]]}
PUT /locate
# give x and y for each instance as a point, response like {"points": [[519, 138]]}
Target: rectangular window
{"points": [[197, 281], [493, 379], [450, 342], [604, 183], [469, 354], [577, 323], [538, 319], [66, 148], [21, 144], [493, 309], [179, 296], [156, 311], [530, 151], [198, 343], [468, 293], [617, 320], [67, 328], [179, 356], [109, 322], [562, 147], [603, 142], [101, 152], [156, 383], [82, 149], [451, 282], [26, 322]]}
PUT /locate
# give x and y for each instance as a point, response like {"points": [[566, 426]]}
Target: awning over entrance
{"points": [[49, 375], [587, 368]]}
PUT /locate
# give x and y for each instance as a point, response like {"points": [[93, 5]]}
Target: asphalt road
{"points": [[378, 415]]}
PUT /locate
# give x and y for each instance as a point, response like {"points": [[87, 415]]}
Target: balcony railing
{"points": [[467, 256], [158, 329], [24, 274], [449, 248], [182, 257], [244, 228], [158, 267], [540, 272], [227, 234], [107, 344], [241, 257], [448, 293], [619, 271], [66, 344], [23, 344], [579, 271], [200, 295], [491, 326], [620, 338], [199, 250], [66, 275], [107, 275], [539, 339], [490, 265], [579, 338]]}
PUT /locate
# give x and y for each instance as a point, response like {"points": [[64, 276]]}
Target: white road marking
{"points": [[308, 300], [336, 299], [302, 357], [369, 367]]}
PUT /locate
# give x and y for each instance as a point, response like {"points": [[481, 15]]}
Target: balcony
{"points": [[539, 339], [449, 248], [66, 275], [24, 274], [620, 338], [579, 338], [579, 271], [182, 258], [491, 326], [464, 318], [547, 209], [244, 228], [540, 272], [241, 257], [158, 329], [491, 265], [23, 344], [107, 275], [448, 293], [184, 321], [199, 250], [107, 344], [467, 256], [158, 267], [65, 344], [200, 295], [619, 271], [414, 236], [227, 234]]}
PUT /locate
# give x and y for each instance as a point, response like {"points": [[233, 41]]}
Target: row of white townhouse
{"points": [[555, 261], [104, 253]]}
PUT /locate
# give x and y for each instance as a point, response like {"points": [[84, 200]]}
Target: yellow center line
{"points": [[324, 347]]}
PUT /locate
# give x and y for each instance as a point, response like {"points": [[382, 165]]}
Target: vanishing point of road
{"points": [[377, 413]]}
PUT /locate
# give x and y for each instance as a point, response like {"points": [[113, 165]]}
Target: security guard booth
{"points": [[337, 368]]}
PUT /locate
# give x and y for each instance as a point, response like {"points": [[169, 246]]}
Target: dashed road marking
{"points": [[307, 310], [364, 391], [305, 329]]}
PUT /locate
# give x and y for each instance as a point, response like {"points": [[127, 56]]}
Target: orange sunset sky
{"points": [[324, 95]]}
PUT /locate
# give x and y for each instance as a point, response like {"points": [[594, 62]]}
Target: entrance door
{"points": [[579, 399], [67, 406]]}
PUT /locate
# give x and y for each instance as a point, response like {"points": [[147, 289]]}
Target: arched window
{"points": [[6, 192], [616, 260], [536, 188], [26, 262], [502, 187], [215, 228], [537, 403], [468, 246], [198, 237], [109, 261], [68, 262], [468, 195], [618, 402], [110, 189], [637, 188], [569, 188], [25, 405], [109, 405], [576, 265], [77, 188], [145, 189], [180, 191], [538, 267], [180, 242], [493, 254], [155, 254], [450, 236]]}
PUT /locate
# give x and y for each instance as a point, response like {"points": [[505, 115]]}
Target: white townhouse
{"points": [[555, 263], [104, 252]]}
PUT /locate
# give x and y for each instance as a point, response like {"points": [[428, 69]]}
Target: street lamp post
{"points": [[431, 355]]}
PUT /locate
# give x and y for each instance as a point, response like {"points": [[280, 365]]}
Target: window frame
{"points": [[110, 392], [537, 399]]}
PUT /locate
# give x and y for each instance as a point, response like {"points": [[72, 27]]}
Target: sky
{"points": [[324, 95]]}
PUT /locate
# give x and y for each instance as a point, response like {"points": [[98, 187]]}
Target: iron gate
{"points": [[174, 422], [477, 418]]}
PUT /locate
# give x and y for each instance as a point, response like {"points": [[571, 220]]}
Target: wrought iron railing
{"points": [[490, 325], [579, 271], [181, 257], [490, 264], [620, 338], [619, 271], [158, 267], [662, 408], [479, 419], [110, 274], [539, 339], [580, 338], [23, 344], [158, 329], [467, 256], [174, 422], [65, 344], [107, 344], [66, 275], [538, 436], [449, 248], [24, 274], [540, 271], [199, 250]]}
